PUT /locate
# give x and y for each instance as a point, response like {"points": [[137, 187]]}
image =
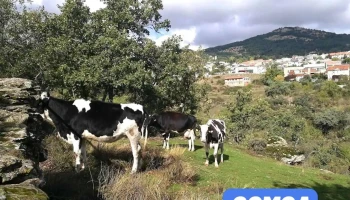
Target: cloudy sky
{"points": [[209, 23]]}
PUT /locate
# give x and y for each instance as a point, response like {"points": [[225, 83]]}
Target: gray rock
{"points": [[21, 134], [14, 169], [293, 160], [277, 142], [22, 191]]}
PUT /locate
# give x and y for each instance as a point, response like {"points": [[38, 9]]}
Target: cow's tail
{"points": [[144, 129], [195, 127]]}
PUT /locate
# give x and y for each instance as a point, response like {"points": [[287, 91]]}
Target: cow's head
{"points": [[42, 105], [153, 119], [203, 129]]}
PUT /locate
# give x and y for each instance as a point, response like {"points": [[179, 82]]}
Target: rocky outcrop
{"points": [[294, 160], [21, 133], [278, 148]]}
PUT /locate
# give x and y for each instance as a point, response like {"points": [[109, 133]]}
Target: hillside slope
{"points": [[286, 41], [241, 170]]}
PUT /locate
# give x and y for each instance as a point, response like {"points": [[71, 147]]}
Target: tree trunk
{"points": [[110, 94]]}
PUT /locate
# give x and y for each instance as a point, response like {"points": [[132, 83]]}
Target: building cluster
{"points": [[294, 68]]}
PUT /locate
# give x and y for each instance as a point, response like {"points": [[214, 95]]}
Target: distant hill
{"points": [[286, 41]]}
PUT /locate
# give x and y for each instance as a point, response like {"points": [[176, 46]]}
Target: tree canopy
{"points": [[102, 54]]}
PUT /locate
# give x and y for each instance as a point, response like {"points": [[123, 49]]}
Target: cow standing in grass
{"points": [[170, 121], [83, 119], [213, 134]]}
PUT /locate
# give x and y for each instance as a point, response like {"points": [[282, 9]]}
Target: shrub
{"points": [[229, 90], [327, 120], [220, 82], [278, 88], [278, 101]]}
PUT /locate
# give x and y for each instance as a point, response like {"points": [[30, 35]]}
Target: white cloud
{"points": [[37, 2], [210, 23], [187, 35], [225, 21], [94, 5]]}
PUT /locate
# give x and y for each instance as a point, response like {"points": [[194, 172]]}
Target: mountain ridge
{"points": [[286, 42]]}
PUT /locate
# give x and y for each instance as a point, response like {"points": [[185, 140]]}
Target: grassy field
{"points": [[243, 170], [183, 177], [164, 177]]}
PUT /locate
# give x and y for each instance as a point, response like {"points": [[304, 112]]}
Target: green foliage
{"points": [[218, 68], [346, 61], [331, 89], [328, 120], [102, 54], [278, 88], [270, 75]]}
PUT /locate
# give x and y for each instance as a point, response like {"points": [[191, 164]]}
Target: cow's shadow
{"points": [[172, 145], [212, 159], [196, 147]]}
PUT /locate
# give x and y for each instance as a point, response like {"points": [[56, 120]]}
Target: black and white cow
{"points": [[170, 121], [79, 120], [213, 134]]}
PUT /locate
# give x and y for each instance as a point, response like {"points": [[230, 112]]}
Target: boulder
{"points": [[22, 191], [277, 141], [294, 160]]}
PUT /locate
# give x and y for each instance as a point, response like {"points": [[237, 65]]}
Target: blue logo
{"points": [[270, 194]]}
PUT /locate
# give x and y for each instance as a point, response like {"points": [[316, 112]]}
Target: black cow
{"points": [[170, 121], [82, 119], [213, 134]]}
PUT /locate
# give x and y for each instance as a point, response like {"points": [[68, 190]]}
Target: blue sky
{"points": [[210, 23]]}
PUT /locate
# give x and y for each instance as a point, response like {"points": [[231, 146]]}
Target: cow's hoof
{"points": [[217, 166], [206, 164]]}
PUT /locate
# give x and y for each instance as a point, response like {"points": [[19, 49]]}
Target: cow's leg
{"points": [[77, 153], [167, 141], [164, 140], [222, 152], [216, 147], [134, 139], [189, 144], [206, 145], [191, 141], [83, 153]]}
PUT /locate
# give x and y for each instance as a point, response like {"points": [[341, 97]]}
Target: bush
{"points": [[229, 90], [278, 88], [327, 120], [220, 82], [274, 102]]}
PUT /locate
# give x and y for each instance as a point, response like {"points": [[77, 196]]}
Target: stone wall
{"points": [[21, 134]]}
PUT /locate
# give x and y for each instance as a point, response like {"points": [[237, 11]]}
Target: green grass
{"points": [[242, 170]]}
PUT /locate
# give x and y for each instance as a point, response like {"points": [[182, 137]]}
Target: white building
{"points": [[249, 69], [296, 70], [338, 70], [320, 67], [340, 55], [234, 81]]}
